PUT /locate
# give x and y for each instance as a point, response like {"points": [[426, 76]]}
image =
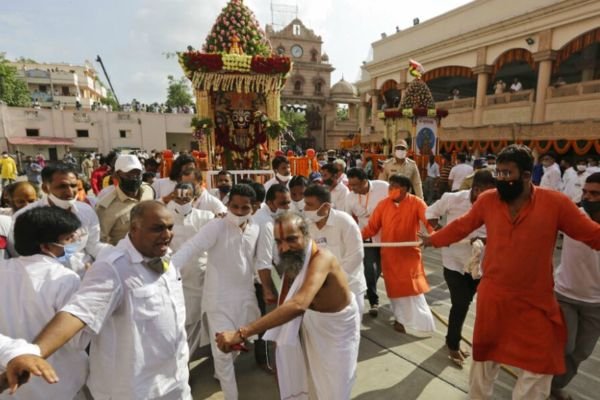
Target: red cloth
{"points": [[518, 320], [97, 176], [402, 267]]}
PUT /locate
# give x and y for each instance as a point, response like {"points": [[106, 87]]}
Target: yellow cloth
{"points": [[9, 168]]}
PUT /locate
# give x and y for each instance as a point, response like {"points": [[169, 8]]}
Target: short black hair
{"points": [[490, 157], [298, 180], [320, 192], [41, 225], [483, 177], [178, 164], [462, 157], [278, 160], [60, 168], [330, 167], [148, 175], [274, 189], [593, 178], [244, 191], [223, 172], [259, 189], [519, 154], [358, 173], [401, 180]]}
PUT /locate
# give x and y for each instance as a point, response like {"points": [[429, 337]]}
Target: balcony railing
{"points": [[456, 103], [510, 97], [574, 89]]}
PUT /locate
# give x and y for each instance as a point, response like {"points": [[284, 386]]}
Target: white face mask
{"points": [[282, 178], [180, 209], [299, 205], [581, 168], [64, 204], [492, 167], [236, 219], [313, 216], [401, 154]]}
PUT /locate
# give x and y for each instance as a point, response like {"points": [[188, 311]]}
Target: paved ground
{"points": [[393, 366]]}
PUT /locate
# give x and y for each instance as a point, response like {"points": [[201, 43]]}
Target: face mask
{"points": [[492, 167], [64, 204], [509, 190], [70, 249], [236, 220], [581, 168], [401, 154], [299, 205], [313, 216], [282, 178], [279, 211], [180, 209], [224, 189], [591, 207], [130, 185]]}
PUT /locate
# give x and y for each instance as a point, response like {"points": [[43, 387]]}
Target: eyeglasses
{"points": [[502, 173]]}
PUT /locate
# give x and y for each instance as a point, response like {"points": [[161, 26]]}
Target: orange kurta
{"points": [[518, 320], [402, 267]]}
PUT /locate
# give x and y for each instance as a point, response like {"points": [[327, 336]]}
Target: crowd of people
{"points": [[114, 278]]}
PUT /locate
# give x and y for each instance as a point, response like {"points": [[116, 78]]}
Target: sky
{"points": [[134, 36]]}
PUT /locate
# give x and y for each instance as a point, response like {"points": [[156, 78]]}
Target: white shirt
{"points": [[578, 275], [140, 349], [516, 86], [573, 184], [208, 202], [11, 348], [341, 236], [163, 187], [89, 233], [338, 196], [216, 193], [274, 180], [33, 289], [362, 206], [266, 250], [454, 205], [458, 173], [5, 231], [551, 178], [433, 170]]}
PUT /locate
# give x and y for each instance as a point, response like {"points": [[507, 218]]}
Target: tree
{"points": [[110, 100], [296, 122], [13, 90], [178, 93]]}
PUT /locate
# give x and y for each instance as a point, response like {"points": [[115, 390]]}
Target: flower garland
{"points": [[195, 61], [236, 62], [202, 126]]}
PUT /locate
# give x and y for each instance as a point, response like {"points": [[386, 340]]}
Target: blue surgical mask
{"points": [[70, 249]]}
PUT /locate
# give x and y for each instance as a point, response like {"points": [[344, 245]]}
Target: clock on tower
{"points": [[297, 51]]}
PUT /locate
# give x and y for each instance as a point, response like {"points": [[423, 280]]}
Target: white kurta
{"points": [[208, 202], [139, 350], [11, 348], [89, 233], [32, 290], [266, 250], [163, 187], [192, 273]]}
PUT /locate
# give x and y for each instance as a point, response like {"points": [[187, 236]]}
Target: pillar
{"points": [[362, 118], [483, 73], [374, 101], [544, 60]]}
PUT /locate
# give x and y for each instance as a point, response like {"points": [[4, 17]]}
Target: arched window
{"points": [[318, 87], [313, 55], [298, 86]]}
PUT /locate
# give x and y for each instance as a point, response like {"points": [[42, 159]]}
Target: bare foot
{"points": [[398, 327], [458, 357]]}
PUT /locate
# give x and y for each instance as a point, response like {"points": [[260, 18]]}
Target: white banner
{"points": [[426, 140]]}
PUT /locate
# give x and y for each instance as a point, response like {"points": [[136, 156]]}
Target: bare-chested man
{"points": [[315, 302]]}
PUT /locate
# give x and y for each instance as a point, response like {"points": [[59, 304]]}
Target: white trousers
{"points": [[360, 301], [529, 386], [413, 312], [223, 362]]}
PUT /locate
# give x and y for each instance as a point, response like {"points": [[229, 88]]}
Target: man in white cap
{"points": [[403, 165], [114, 207]]}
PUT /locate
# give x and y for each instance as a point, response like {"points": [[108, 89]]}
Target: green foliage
{"points": [[342, 113], [110, 100], [178, 93], [296, 122], [13, 90], [237, 20]]}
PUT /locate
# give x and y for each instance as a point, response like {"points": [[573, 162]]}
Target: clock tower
{"points": [[307, 88]]}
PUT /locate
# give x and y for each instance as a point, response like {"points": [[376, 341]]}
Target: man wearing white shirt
{"points": [[332, 180], [204, 200], [459, 172], [461, 284], [183, 166], [35, 286], [433, 176], [336, 231], [577, 287], [229, 298], [60, 184], [551, 178], [224, 183], [341, 167], [297, 185], [574, 179], [281, 169], [361, 201], [131, 301]]}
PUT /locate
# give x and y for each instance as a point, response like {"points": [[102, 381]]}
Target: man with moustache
{"points": [[316, 304], [518, 320], [131, 302]]}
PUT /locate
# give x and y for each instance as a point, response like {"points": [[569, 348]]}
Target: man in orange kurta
{"points": [[518, 319], [398, 217]]}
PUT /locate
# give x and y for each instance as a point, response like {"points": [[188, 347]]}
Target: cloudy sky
{"points": [[133, 36]]}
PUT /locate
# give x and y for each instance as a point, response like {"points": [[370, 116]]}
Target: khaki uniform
{"points": [[408, 169], [113, 212]]}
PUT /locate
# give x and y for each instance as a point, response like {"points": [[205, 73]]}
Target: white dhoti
{"points": [[193, 282], [330, 342], [413, 312]]}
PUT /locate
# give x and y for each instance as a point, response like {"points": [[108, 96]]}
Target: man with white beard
{"points": [[316, 304]]}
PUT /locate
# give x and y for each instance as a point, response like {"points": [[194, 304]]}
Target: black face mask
{"points": [[591, 207], [224, 189], [130, 185], [509, 190]]}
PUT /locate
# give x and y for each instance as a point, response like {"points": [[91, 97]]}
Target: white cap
{"points": [[127, 162]]}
